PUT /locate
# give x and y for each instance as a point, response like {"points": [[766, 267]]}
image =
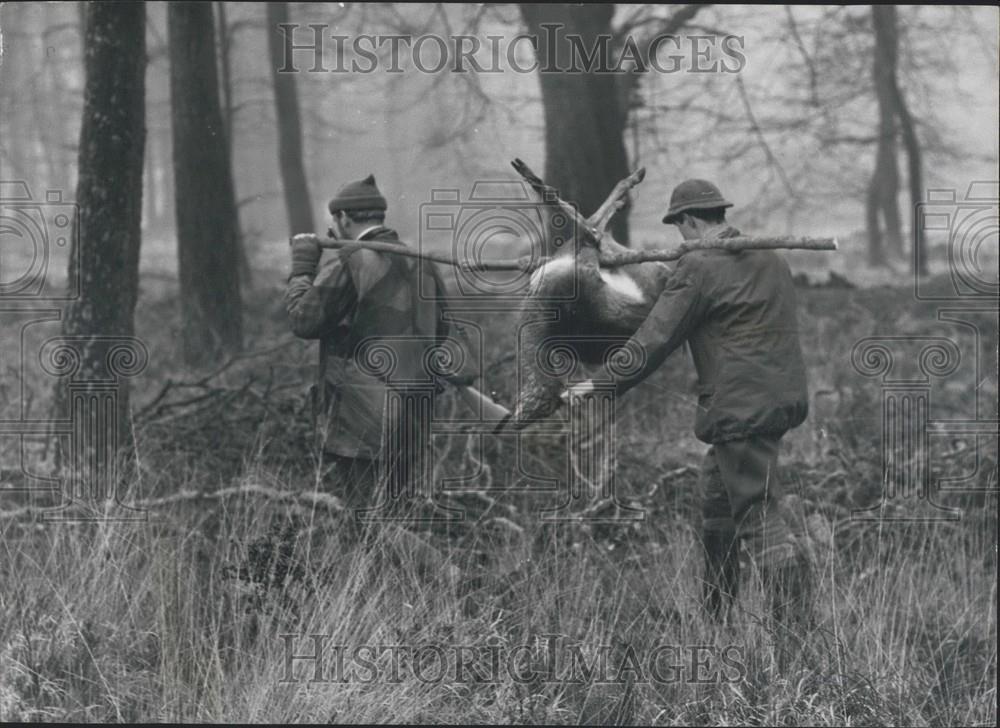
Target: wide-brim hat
{"points": [[694, 194]]}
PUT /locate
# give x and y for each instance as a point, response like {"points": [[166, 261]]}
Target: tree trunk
{"points": [[225, 72], [228, 123], [150, 193], [915, 177], [585, 119], [884, 190], [104, 258], [207, 241], [876, 247], [286, 104], [885, 24]]}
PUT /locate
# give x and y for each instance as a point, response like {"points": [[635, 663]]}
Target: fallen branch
{"points": [[299, 497], [154, 408], [607, 259]]}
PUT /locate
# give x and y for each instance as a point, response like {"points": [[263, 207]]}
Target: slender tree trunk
{"points": [[885, 178], [149, 196], [207, 243], [286, 103], [585, 121], [915, 177], [886, 27], [104, 259], [228, 122], [225, 72], [876, 247]]}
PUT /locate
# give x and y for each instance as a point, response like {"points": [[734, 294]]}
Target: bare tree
{"points": [[584, 123], [207, 237], [587, 113], [845, 101], [286, 103]]}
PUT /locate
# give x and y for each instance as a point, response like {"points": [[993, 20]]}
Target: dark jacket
{"points": [[737, 311], [376, 316]]}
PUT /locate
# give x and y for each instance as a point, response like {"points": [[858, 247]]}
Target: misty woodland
{"points": [[595, 364]]}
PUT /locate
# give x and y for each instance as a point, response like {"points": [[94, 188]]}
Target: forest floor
{"points": [[205, 609]]}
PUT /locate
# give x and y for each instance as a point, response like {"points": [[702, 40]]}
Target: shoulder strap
{"points": [[441, 303], [321, 387]]}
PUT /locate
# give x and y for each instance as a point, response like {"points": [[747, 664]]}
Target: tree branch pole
{"points": [[607, 260]]}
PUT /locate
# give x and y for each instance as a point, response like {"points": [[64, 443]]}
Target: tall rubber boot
{"points": [[722, 572]]}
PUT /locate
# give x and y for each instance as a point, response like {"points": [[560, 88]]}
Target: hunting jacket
{"points": [[737, 311], [375, 315]]}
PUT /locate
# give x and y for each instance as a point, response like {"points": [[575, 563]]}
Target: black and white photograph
{"points": [[499, 363]]}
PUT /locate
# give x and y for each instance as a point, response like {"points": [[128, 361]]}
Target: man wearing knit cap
{"points": [[362, 301], [737, 312]]}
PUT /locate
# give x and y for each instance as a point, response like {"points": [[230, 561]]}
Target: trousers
{"points": [[385, 486], [741, 507]]}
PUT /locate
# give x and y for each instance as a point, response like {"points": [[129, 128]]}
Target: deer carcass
{"points": [[576, 312]]}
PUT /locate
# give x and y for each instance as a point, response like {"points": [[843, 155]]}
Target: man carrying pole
{"points": [[370, 310], [737, 311]]}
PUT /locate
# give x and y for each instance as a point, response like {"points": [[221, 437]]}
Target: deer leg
{"points": [[616, 201], [551, 197]]}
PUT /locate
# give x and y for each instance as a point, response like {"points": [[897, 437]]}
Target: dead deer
{"points": [[593, 307]]}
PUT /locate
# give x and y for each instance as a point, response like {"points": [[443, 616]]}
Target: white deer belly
{"points": [[624, 284], [621, 283]]}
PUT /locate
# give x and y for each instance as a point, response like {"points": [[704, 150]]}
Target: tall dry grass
{"points": [[188, 616]]}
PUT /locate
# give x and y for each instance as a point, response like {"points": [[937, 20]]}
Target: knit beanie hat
{"points": [[361, 195]]}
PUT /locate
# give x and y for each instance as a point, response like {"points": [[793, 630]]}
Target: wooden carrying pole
{"points": [[610, 259], [592, 232]]}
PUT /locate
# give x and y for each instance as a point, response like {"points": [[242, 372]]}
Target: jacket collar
{"points": [[369, 232], [380, 233]]}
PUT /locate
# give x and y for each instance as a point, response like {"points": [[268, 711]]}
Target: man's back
{"points": [[375, 314], [746, 345]]}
